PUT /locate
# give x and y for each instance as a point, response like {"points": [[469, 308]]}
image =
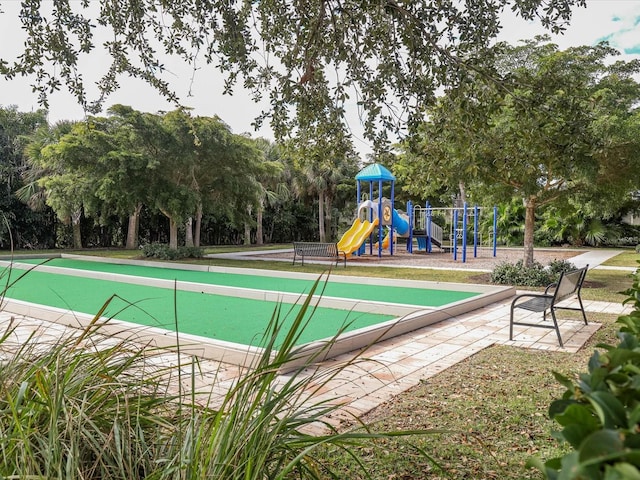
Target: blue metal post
{"points": [[370, 216], [410, 215], [495, 230], [476, 211], [380, 218], [392, 210], [454, 240], [428, 226], [464, 233]]}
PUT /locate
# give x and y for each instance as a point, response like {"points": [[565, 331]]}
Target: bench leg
{"points": [[584, 315], [511, 325], [555, 324]]}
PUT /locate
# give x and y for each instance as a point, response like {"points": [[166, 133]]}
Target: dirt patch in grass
{"points": [[481, 278]]}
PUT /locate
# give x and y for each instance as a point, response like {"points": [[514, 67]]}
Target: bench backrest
{"points": [[316, 248], [569, 283]]}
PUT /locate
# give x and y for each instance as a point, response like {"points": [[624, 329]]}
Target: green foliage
{"points": [[536, 275], [600, 410], [517, 274], [165, 252], [556, 267], [509, 223], [19, 225], [638, 248], [95, 174], [557, 125], [582, 224], [173, 163], [316, 73]]}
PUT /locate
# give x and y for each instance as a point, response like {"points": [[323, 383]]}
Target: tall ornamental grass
{"points": [[88, 406]]}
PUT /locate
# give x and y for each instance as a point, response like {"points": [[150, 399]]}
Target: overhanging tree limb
{"points": [[399, 51]]}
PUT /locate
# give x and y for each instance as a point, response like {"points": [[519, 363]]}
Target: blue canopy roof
{"points": [[375, 172]]}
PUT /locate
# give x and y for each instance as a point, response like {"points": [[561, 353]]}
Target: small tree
{"points": [[553, 125]]}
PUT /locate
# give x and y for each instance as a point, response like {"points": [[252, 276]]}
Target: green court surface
{"points": [[380, 293], [218, 317]]}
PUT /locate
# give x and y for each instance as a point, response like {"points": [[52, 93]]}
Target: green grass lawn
{"points": [[626, 259]]}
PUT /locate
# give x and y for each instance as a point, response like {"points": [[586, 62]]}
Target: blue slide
{"points": [[399, 223]]}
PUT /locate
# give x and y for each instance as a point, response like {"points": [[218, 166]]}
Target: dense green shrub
{"points": [[517, 274], [190, 252], [164, 252], [600, 411], [536, 275], [556, 267]]}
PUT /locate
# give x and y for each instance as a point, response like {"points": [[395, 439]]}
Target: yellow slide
{"points": [[356, 235], [385, 240]]}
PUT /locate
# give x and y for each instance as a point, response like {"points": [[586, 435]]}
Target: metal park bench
{"points": [[318, 249], [568, 285]]}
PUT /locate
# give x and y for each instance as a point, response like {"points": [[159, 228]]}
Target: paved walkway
{"points": [[402, 362], [595, 259]]}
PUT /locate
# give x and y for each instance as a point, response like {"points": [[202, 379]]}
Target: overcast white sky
{"points": [[617, 21]]}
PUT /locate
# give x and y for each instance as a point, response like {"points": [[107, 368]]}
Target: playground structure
{"points": [[372, 217], [464, 226], [377, 220]]}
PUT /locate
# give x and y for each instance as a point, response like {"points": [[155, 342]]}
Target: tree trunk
{"points": [[188, 232], [323, 235], [75, 225], [247, 233], [259, 231], [134, 228], [173, 234], [173, 230], [198, 229], [247, 228], [328, 224], [529, 225], [463, 194]]}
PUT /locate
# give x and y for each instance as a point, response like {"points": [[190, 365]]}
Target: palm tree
{"points": [[323, 165], [33, 193], [272, 186]]}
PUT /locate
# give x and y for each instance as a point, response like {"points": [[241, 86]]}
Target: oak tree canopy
{"points": [[387, 56]]}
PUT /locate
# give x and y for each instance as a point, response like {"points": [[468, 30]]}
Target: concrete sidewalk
{"points": [[595, 259]]}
